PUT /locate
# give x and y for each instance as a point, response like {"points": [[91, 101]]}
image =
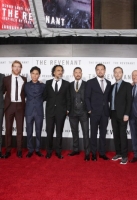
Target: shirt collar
{"points": [[78, 80], [119, 82], [14, 76], [99, 79]]}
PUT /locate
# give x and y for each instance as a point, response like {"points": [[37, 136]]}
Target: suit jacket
{"points": [[7, 91], [82, 97], [123, 99], [1, 91], [34, 97], [96, 100], [57, 103]]}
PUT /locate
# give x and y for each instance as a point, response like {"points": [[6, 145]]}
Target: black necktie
{"points": [[16, 90], [77, 86], [56, 87], [134, 91], [115, 95]]}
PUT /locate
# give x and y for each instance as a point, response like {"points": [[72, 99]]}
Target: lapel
{"points": [[107, 86], [98, 86], [121, 86], [61, 87]]}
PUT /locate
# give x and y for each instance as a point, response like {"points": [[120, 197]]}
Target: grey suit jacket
{"points": [[1, 91]]}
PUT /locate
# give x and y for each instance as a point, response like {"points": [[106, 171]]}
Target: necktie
{"points": [[102, 85], [16, 90], [77, 86], [134, 91], [56, 87], [115, 95]]}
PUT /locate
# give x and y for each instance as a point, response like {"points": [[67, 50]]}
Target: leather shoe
{"points": [[104, 157], [48, 155], [29, 154], [73, 153], [134, 159], [38, 153], [87, 157], [7, 155], [59, 155], [94, 157], [19, 154], [1, 156]]}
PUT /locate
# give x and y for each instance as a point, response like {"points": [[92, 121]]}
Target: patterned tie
{"points": [[77, 86], [16, 90], [102, 85]]}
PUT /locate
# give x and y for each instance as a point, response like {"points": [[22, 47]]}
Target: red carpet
{"points": [[71, 178]]}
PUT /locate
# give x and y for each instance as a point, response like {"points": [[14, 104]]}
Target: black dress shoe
{"points": [[7, 155], [38, 153], [94, 157], [87, 157], [48, 155], [73, 153], [29, 154], [104, 157], [19, 154], [59, 155], [134, 159], [1, 156]]}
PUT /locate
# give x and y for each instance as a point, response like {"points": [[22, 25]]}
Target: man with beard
{"points": [[78, 113], [56, 94], [97, 101], [14, 106]]}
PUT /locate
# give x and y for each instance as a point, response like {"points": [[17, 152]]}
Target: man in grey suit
{"points": [[1, 110]]}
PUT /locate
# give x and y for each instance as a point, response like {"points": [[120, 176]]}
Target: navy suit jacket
{"points": [[96, 100], [34, 98]]}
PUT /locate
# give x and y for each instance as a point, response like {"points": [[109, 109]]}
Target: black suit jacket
{"points": [[57, 103], [123, 99], [1, 91], [96, 100], [72, 95]]}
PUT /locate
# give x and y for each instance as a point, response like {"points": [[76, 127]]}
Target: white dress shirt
{"points": [[104, 82], [79, 83], [13, 87], [59, 83]]}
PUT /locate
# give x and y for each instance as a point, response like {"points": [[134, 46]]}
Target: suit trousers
{"points": [[1, 122], [133, 128], [51, 122], [101, 122], [38, 128], [74, 123], [16, 111], [120, 136]]}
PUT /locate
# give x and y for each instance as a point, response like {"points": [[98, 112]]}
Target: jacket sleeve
{"points": [[128, 99], [88, 95], [68, 98], [45, 92]]}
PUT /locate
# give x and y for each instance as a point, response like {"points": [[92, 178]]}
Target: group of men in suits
{"points": [[79, 100]]}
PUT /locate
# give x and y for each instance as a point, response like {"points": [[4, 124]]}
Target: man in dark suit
{"points": [[14, 106], [34, 110], [133, 117], [56, 94], [1, 111], [97, 101], [121, 100], [78, 113]]}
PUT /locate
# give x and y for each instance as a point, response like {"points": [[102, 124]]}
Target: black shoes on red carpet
{"points": [[48, 155], [19, 154], [104, 157], [59, 155], [73, 153], [1, 156], [7, 155], [38, 153], [94, 157]]}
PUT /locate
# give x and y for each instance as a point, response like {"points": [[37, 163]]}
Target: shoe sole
{"points": [[123, 163], [117, 159]]}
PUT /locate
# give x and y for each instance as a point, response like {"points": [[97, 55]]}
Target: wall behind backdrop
{"points": [[70, 56]]}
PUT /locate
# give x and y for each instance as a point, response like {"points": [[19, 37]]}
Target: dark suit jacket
{"points": [[57, 103], [1, 91], [82, 96], [34, 98], [96, 100], [123, 99], [7, 91]]}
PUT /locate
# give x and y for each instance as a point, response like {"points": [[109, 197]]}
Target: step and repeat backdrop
{"points": [[69, 63]]}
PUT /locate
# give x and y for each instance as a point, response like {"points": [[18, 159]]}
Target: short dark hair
{"points": [[35, 68], [54, 68], [77, 68], [99, 65], [118, 68]]}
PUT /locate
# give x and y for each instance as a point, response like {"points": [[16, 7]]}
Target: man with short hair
{"points": [[97, 102], [14, 106], [34, 110], [78, 113], [56, 95], [121, 100]]}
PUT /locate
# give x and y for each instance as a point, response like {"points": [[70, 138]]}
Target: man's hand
{"points": [[89, 112], [125, 118]]}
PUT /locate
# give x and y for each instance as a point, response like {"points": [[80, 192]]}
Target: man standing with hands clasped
{"points": [[121, 100]]}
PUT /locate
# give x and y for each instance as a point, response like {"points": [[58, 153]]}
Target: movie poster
{"points": [[67, 13], [15, 14]]}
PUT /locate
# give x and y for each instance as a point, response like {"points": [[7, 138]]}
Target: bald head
{"points": [[134, 76]]}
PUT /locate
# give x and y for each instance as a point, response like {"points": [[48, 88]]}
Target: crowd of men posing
{"points": [[96, 99]]}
